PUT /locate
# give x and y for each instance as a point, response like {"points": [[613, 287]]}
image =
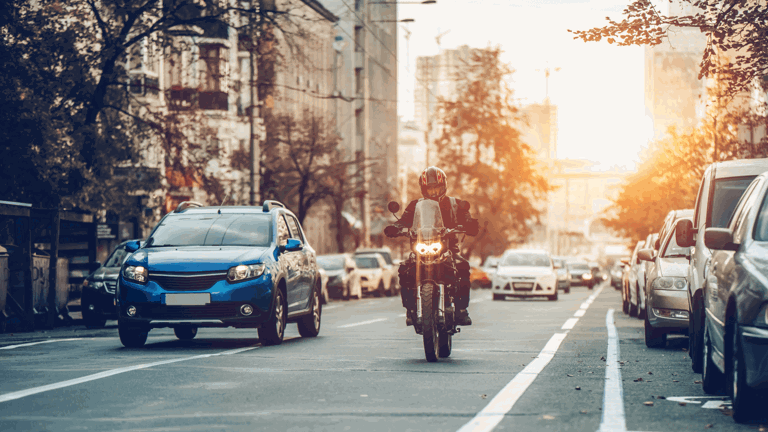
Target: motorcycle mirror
{"points": [[393, 207]]}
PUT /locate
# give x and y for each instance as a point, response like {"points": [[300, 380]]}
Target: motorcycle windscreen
{"points": [[427, 221]]}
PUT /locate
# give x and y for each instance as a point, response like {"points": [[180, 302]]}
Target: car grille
{"points": [[187, 281], [156, 311], [523, 286], [110, 286]]}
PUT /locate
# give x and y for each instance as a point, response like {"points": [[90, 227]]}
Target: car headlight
{"points": [[428, 249], [136, 274], [669, 283], [586, 276], [243, 272]]}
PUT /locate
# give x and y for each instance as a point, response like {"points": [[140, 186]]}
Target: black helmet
{"points": [[433, 183]]}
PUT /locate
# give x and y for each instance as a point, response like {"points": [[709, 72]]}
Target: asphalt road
{"points": [[525, 365]]}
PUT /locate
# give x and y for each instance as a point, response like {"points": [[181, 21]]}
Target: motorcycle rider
{"points": [[455, 214]]}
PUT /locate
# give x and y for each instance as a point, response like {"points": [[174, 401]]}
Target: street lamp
{"points": [[406, 20], [408, 2]]}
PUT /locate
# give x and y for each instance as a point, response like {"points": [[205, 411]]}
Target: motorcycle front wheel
{"points": [[429, 322]]}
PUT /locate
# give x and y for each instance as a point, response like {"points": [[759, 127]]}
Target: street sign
{"points": [[106, 231]]}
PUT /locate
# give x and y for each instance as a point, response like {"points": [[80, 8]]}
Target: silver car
{"points": [[668, 309]]}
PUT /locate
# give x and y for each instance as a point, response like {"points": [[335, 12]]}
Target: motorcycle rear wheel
{"points": [[429, 322]]}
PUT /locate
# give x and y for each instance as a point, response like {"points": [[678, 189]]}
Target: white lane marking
{"points": [[35, 390], [476, 301], [9, 347], [613, 397], [569, 324], [716, 404], [502, 403], [362, 323], [693, 399], [580, 313], [330, 307], [584, 305], [401, 316]]}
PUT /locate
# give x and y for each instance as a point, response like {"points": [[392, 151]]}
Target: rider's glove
{"points": [[391, 231]]}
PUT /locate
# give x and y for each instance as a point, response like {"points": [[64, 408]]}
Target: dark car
{"points": [[616, 272], [242, 267], [563, 274], [343, 276], [98, 296], [736, 305], [581, 274]]}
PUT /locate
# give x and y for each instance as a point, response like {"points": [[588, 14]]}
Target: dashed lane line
{"points": [[580, 313], [35, 390], [10, 347], [569, 324], [362, 323]]}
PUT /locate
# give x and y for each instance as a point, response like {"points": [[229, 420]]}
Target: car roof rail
{"points": [[270, 204], [185, 205]]}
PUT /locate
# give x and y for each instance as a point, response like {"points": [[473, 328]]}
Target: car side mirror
{"points": [[684, 233], [719, 238], [292, 245], [646, 254], [393, 207], [657, 244], [350, 269], [133, 246]]}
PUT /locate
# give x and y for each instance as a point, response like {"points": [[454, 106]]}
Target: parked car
{"points": [[223, 266], [735, 299], [390, 278], [581, 274], [641, 297], [616, 272], [630, 281], [525, 273], [563, 274], [667, 288], [323, 276], [722, 185], [97, 300], [372, 268], [478, 278], [490, 265], [343, 276]]}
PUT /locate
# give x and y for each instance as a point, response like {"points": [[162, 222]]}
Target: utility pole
{"points": [[365, 202], [255, 145]]}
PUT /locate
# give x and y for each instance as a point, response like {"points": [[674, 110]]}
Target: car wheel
{"points": [[272, 332], [624, 302], [654, 338], [379, 290], [712, 380], [185, 333], [696, 342], [632, 310], [498, 296], [131, 336], [309, 325], [552, 297], [92, 321], [742, 396]]}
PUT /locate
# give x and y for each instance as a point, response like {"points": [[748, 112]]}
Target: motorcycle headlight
{"points": [[669, 283], [243, 272], [428, 249], [136, 274]]}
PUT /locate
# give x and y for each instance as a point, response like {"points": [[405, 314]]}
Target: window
{"points": [[724, 199], [213, 67], [527, 260], [359, 81], [366, 262], [359, 39], [673, 250], [213, 230], [699, 201], [743, 209], [282, 231], [294, 225], [117, 258]]}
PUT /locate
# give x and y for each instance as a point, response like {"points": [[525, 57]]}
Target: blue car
{"points": [[243, 267]]}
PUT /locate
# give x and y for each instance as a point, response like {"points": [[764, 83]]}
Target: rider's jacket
{"points": [[453, 216]]}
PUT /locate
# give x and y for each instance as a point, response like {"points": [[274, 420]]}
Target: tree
{"points": [[735, 32], [480, 149]]}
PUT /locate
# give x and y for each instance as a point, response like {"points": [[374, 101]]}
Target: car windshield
{"points": [[673, 250], [366, 262], [578, 266], [427, 221], [526, 259], [331, 262], [213, 230], [117, 257], [491, 261], [761, 227], [726, 195]]}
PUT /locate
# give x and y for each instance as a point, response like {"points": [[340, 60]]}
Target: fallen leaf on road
{"points": [[547, 417], [650, 373], [483, 396], [675, 381], [363, 395], [709, 426], [602, 358], [569, 375], [591, 372], [682, 403], [648, 403], [578, 388], [661, 397], [639, 380], [685, 349], [697, 382], [583, 411]]}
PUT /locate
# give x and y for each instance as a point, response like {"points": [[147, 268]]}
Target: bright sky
{"points": [[598, 91]]}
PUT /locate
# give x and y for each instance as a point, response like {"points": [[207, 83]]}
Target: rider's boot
{"points": [[462, 317], [410, 317]]}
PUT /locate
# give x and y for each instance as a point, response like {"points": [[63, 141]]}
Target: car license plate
{"points": [[188, 299], [523, 285]]}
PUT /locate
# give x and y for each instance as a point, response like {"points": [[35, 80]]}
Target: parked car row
{"points": [[704, 275]]}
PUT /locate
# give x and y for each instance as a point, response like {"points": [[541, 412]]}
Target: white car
{"points": [[525, 273], [372, 268]]}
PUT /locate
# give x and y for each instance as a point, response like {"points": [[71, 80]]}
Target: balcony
{"points": [[143, 84], [183, 99]]}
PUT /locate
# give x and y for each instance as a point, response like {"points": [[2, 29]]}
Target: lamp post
{"points": [[404, 20], [425, 2]]}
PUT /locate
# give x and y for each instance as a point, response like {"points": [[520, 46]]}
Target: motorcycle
{"points": [[436, 276]]}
